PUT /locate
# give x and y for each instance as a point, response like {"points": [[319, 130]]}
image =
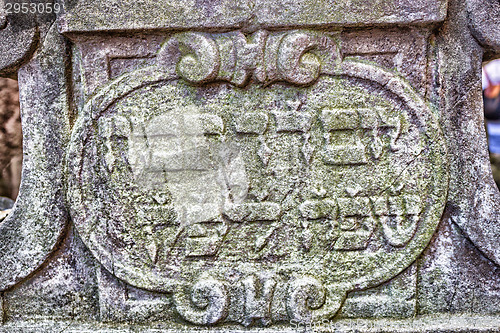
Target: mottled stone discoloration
{"points": [[253, 165], [474, 201], [250, 15], [64, 289], [124, 106], [33, 229], [484, 20]]}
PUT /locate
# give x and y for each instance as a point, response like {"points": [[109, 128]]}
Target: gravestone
{"points": [[251, 166]]}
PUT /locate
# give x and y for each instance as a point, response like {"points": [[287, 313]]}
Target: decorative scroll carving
{"points": [[295, 62], [200, 60], [295, 57], [258, 298], [249, 55], [304, 296], [205, 304]]}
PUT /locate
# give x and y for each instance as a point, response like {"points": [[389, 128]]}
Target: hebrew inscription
{"points": [[256, 178]]}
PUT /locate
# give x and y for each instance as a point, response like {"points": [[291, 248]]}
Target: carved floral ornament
{"points": [[281, 197]]}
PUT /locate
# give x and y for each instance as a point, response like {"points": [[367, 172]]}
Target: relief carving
{"points": [[205, 303], [200, 59], [258, 299], [305, 295], [295, 57], [250, 164], [288, 193]]}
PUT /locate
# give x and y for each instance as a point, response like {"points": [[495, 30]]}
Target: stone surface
{"points": [[475, 209], [34, 227], [64, 289], [84, 16], [441, 324], [394, 299], [455, 277], [271, 166], [18, 39], [151, 163], [484, 17]]}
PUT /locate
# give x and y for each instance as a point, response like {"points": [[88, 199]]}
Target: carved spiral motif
{"points": [[206, 305], [298, 57], [305, 295], [295, 62], [200, 58], [357, 130]]}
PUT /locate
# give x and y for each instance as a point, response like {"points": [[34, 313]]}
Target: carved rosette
{"points": [[256, 178]]}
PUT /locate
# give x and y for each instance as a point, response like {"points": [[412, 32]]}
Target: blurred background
{"points": [[11, 153], [491, 98]]}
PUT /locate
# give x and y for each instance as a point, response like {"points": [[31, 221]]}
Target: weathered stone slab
{"points": [[65, 288], [95, 16], [38, 219], [394, 299], [267, 166]]}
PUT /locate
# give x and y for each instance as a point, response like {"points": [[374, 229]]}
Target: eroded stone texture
{"points": [[34, 227], [83, 16], [19, 37], [456, 278], [474, 200], [64, 289], [255, 166], [394, 299], [484, 19], [200, 186]]}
